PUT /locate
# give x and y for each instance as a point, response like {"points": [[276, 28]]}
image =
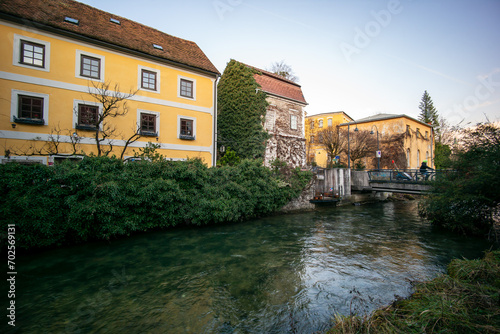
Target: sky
{"points": [[363, 57]]}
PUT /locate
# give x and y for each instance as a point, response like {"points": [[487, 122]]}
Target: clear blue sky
{"points": [[363, 57]]}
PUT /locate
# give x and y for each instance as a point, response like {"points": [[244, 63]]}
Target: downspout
{"points": [[432, 139], [214, 151]]}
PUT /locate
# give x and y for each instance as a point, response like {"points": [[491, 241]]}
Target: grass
{"points": [[466, 300]]}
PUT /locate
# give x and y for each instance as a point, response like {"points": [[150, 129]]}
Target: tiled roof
{"points": [[95, 24], [276, 85], [381, 117]]}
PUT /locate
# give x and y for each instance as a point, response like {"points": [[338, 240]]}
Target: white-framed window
{"points": [[186, 127], [31, 53], [320, 123], [330, 122], [29, 107], [148, 123], [293, 122], [85, 114], [186, 88], [148, 79], [408, 158], [89, 66]]}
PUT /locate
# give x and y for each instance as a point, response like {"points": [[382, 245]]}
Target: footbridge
{"points": [[408, 181]]}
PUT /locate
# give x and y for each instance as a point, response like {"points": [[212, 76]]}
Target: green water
{"points": [[284, 274]]}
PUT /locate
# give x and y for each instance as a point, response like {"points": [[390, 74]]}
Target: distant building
{"points": [[54, 51], [284, 121], [401, 138], [314, 125]]}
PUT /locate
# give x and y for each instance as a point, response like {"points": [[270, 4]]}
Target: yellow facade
{"points": [[417, 139], [314, 124], [61, 88]]}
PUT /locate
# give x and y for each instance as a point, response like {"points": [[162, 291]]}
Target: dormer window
{"points": [[71, 20]]}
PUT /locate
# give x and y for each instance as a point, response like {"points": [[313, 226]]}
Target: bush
{"points": [[466, 201], [101, 198]]}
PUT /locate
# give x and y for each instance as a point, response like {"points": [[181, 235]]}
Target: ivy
{"points": [[241, 111]]}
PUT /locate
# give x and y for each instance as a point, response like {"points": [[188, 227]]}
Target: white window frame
{"points": [[78, 65], [139, 79], [293, 122], [320, 123], [179, 117], [14, 107], [155, 113], [179, 77], [329, 122], [75, 111], [17, 53]]}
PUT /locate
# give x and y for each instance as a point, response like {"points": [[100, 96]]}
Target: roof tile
{"points": [[274, 84], [96, 24]]}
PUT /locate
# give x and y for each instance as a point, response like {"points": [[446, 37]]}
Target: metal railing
{"points": [[405, 175]]}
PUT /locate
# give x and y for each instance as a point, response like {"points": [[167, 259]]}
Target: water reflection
{"points": [[274, 275]]}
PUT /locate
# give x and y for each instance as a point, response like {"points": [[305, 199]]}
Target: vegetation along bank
{"points": [[101, 198]]}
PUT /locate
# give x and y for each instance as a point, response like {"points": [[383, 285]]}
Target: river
{"points": [[281, 274]]}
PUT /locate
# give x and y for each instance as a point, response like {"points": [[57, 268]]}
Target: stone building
{"points": [[285, 117]]}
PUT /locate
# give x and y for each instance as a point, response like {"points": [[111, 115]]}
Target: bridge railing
{"points": [[404, 175]]}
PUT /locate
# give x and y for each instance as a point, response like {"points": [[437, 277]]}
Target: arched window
{"points": [[320, 123]]}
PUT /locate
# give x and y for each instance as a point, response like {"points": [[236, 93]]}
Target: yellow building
{"points": [[56, 53], [387, 138], [314, 125], [401, 138]]}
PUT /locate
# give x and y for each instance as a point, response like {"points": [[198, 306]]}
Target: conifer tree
{"points": [[428, 113], [241, 109]]}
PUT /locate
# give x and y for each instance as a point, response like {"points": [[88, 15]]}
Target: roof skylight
{"points": [[71, 20], [115, 21], [158, 47]]}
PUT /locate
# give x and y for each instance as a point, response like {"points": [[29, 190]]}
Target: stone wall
{"points": [[286, 143], [302, 202]]}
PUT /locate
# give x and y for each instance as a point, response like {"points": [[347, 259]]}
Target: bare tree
{"points": [[284, 70], [361, 145], [392, 147], [333, 141], [114, 104], [36, 147]]}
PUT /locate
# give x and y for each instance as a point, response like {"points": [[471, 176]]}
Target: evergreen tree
{"points": [[428, 113], [241, 111]]}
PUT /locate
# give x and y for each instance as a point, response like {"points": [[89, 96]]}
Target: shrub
{"points": [[466, 201], [101, 198]]}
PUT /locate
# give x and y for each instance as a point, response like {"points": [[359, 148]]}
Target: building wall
{"points": [[62, 88], [285, 123], [418, 141], [314, 124]]}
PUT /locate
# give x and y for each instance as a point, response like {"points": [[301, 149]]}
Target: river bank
{"points": [[465, 300]]}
